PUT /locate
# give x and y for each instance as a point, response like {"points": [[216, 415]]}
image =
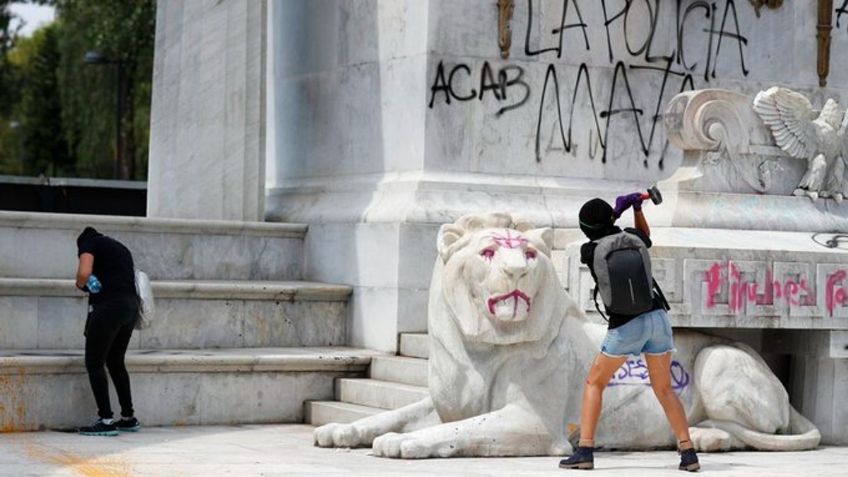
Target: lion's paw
{"points": [[710, 440], [337, 435], [406, 446]]}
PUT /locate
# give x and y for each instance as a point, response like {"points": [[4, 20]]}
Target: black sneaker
{"points": [[130, 424], [582, 459], [689, 460], [99, 428]]}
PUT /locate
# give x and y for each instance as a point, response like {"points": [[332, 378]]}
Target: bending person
{"points": [[113, 313]]}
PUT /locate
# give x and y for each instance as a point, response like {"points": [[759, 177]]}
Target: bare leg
{"points": [[659, 368], [593, 393]]}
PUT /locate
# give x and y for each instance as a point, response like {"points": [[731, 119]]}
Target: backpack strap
{"points": [[595, 278], [597, 307], [660, 295]]}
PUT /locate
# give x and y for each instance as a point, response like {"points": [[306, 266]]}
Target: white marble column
{"points": [[207, 132]]}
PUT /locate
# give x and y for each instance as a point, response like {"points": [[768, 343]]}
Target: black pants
{"points": [[107, 334]]}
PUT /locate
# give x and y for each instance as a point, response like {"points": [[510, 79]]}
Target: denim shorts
{"points": [[648, 333]]}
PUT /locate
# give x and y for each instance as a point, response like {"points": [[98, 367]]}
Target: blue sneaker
{"points": [[99, 428], [128, 424], [582, 459], [689, 460]]}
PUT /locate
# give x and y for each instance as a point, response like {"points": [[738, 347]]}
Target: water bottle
{"points": [[93, 284]]}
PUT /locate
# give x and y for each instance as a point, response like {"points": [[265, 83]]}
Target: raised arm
{"points": [[641, 222]]}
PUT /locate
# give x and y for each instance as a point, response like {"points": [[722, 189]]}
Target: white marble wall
{"points": [[367, 144], [207, 131], [354, 97], [362, 111], [348, 79]]}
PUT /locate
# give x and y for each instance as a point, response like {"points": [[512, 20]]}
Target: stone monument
{"points": [[510, 347], [392, 117], [387, 118]]}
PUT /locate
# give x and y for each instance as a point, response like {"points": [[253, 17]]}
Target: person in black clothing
{"points": [[649, 333], [113, 312]]}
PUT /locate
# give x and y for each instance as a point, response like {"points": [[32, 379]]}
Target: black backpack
{"points": [[622, 272]]}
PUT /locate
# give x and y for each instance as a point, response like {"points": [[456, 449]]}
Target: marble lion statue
{"points": [[509, 353]]}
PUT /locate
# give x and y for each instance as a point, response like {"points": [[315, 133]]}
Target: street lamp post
{"points": [[96, 58]]}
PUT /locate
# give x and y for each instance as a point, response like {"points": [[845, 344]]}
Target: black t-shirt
{"points": [[587, 256], [113, 267]]}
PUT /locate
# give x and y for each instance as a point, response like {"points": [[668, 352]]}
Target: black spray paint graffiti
{"points": [[603, 135], [560, 31], [487, 82], [622, 19], [843, 10], [715, 36], [512, 91]]}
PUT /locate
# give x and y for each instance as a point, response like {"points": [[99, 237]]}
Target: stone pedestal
{"points": [[392, 117], [750, 255], [207, 131], [819, 384]]}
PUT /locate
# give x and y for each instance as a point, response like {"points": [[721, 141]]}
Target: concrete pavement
{"points": [[286, 450]]}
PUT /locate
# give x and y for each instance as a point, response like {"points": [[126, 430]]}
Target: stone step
{"points": [[415, 345], [51, 313], [173, 249], [379, 394], [44, 389], [399, 369], [319, 413]]}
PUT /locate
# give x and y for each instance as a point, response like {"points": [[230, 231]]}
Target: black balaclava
{"points": [[86, 235], [596, 218]]}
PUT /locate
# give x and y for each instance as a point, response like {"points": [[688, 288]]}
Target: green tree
{"points": [[122, 31], [59, 113], [8, 33], [9, 140], [40, 110]]}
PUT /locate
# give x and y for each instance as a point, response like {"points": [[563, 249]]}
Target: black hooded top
{"points": [[113, 265]]}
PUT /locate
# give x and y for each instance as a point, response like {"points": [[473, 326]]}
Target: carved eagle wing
{"points": [[790, 117]]}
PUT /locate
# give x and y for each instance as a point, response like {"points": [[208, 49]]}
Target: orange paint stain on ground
{"points": [[113, 466], [98, 467]]}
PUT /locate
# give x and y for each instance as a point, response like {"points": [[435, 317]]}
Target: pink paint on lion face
{"points": [[509, 241], [515, 294]]}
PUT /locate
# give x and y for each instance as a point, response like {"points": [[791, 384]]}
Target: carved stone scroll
{"points": [[743, 144]]}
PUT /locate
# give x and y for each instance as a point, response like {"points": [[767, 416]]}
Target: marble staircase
{"points": [[238, 335], [393, 382]]}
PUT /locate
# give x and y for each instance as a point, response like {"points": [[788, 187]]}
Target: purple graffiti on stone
{"points": [[634, 372]]}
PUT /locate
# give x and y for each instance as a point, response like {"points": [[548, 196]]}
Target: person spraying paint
{"points": [[106, 272], [638, 324]]}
